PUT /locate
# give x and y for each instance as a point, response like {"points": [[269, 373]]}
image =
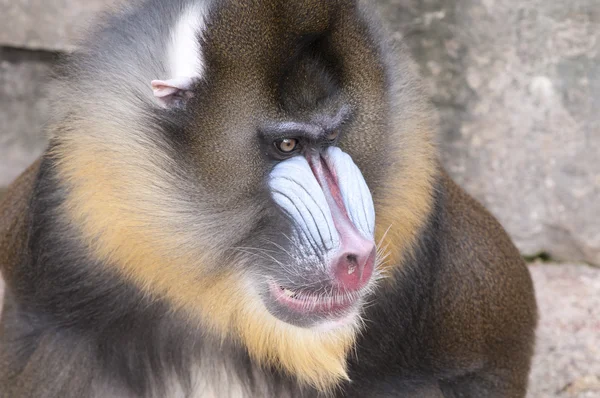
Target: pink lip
{"points": [[306, 303]]}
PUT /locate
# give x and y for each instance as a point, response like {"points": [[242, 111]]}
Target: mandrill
{"points": [[242, 198]]}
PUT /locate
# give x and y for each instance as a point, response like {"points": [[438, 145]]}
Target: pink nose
{"points": [[353, 266]]}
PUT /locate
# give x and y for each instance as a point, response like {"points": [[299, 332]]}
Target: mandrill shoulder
{"points": [[14, 208], [484, 295]]}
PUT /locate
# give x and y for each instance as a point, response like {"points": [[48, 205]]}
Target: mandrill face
{"points": [[296, 152]]}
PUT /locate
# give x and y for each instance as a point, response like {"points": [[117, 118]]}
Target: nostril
{"points": [[352, 263], [353, 267]]}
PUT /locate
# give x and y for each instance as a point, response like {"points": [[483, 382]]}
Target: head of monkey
{"points": [[246, 172]]}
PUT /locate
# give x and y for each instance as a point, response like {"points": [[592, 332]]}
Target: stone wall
{"points": [[516, 84], [23, 110], [32, 33]]}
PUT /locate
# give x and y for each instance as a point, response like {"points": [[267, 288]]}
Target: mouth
{"points": [[333, 302]]}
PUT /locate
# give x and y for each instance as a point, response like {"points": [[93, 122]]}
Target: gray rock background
{"points": [[516, 84], [567, 357], [32, 33], [22, 110], [46, 25]]}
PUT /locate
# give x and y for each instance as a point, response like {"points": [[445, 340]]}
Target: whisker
{"points": [[384, 235], [260, 253]]}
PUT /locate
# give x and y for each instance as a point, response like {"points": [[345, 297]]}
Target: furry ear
{"points": [[173, 92]]}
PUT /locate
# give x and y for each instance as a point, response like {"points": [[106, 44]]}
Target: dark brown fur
{"points": [[13, 216]]}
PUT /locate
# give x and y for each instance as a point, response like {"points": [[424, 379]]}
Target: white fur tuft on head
{"points": [[185, 59]]}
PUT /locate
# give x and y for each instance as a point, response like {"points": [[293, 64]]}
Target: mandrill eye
{"points": [[333, 135], [287, 145]]}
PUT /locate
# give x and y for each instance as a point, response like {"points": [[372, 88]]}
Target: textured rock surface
{"points": [[518, 87], [567, 361], [23, 109], [43, 24]]}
